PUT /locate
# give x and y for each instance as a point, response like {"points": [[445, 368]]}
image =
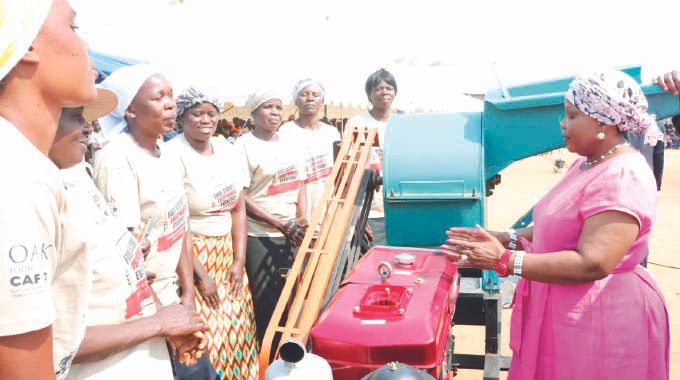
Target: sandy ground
{"points": [[525, 181]]}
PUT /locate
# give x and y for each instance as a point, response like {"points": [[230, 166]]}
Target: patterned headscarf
{"points": [[307, 82], [192, 96], [614, 98]]}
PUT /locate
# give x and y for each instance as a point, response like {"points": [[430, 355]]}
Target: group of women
{"points": [[189, 194], [146, 269], [140, 270]]}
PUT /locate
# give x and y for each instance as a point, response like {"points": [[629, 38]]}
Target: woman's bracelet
{"points": [[519, 260], [512, 245]]}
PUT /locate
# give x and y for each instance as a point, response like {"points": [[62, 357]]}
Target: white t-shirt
{"points": [[45, 275], [212, 184], [137, 185], [119, 290], [96, 138], [274, 170], [318, 147], [364, 120]]}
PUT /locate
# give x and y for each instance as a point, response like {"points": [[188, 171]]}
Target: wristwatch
{"points": [[501, 267], [513, 239]]}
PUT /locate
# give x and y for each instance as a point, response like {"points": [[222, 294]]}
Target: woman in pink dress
{"points": [[584, 307]]}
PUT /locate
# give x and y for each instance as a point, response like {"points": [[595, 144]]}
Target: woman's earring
{"points": [[600, 136]]}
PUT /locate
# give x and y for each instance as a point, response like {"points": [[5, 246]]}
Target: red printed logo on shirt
{"points": [[319, 168], [175, 222], [134, 301], [224, 200], [285, 180], [140, 294]]}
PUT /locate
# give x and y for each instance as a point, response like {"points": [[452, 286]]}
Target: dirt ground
{"points": [[522, 185]]}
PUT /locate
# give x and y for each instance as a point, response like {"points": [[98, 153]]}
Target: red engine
{"points": [[395, 305]]}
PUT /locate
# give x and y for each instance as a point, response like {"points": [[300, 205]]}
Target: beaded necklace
{"points": [[587, 164]]}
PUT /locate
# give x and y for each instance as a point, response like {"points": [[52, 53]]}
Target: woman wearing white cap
{"points": [[142, 182], [275, 203], [125, 335], [43, 67], [315, 137]]}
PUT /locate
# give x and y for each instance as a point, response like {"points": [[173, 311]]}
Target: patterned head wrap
{"points": [[614, 98], [192, 96], [20, 22], [258, 98], [307, 82]]}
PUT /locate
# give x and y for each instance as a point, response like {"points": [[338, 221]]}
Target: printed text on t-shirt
{"points": [[285, 180], [140, 293], [318, 168], [28, 266], [224, 200], [175, 222]]}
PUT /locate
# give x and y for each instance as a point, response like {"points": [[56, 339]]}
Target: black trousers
{"points": [[657, 163], [267, 260]]}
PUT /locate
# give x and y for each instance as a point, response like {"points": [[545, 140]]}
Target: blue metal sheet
{"points": [[106, 63], [527, 122]]}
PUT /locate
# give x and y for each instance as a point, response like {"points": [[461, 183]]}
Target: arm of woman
{"points": [[605, 239], [527, 233], [185, 271], [255, 211], [301, 215], [204, 284], [502, 236], [289, 228], [301, 205], [170, 321], [27, 356], [669, 82], [239, 234]]}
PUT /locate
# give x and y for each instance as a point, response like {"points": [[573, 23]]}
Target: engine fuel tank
{"points": [[395, 305]]}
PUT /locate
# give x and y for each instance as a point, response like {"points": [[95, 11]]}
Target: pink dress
{"points": [[615, 328]]}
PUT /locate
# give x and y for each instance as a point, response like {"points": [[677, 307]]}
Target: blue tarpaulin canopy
{"points": [[106, 64]]}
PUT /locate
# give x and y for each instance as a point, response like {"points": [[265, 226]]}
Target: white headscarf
{"points": [[20, 22], [300, 85], [125, 82]]}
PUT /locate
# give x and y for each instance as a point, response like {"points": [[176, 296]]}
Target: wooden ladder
{"points": [[306, 284]]}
